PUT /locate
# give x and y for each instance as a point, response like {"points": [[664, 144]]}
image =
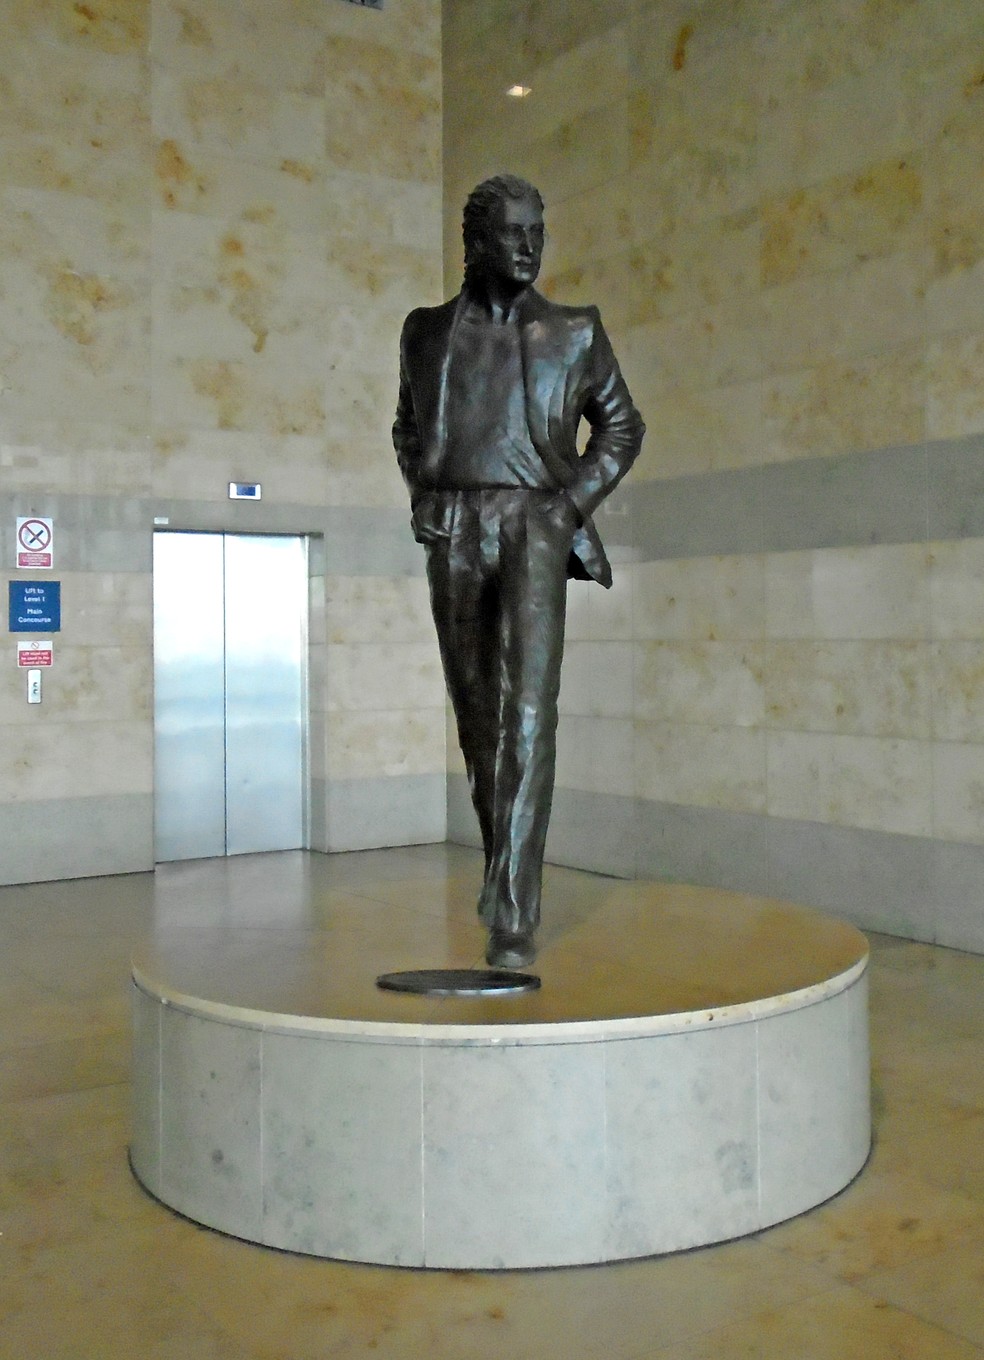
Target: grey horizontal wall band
{"points": [[908, 494]]}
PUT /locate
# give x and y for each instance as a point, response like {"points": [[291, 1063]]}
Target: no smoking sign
{"points": [[34, 543]]}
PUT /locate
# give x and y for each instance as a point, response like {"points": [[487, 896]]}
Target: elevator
{"points": [[230, 694]]}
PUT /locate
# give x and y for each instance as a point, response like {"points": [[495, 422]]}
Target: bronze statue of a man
{"points": [[493, 386]]}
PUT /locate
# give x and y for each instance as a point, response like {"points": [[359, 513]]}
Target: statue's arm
{"points": [[616, 428], [406, 432]]}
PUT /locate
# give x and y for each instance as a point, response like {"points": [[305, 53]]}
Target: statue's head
{"points": [[503, 230]]}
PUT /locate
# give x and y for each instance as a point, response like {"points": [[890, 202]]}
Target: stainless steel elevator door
{"points": [[230, 694]]}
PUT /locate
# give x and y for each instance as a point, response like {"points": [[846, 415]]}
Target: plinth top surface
{"points": [[645, 956]]}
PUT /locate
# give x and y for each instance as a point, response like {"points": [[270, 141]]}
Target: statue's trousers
{"points": [[497, 568]]}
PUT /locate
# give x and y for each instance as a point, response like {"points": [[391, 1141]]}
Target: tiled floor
{"points": [[92, 1269]]}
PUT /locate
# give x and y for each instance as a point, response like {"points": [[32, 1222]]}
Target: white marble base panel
{"points": [[413, 1137]]}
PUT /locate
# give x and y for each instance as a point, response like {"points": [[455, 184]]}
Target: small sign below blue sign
{"points": [[35, 606]]}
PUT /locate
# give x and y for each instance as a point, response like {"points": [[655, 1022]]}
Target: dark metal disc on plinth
{"points": [[458, 981]]}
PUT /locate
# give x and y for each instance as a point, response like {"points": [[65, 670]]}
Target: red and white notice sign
{"points": [[34, 543], [30, 654]]}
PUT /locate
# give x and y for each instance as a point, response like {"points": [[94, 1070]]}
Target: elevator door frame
{"points": [[217, 734]]}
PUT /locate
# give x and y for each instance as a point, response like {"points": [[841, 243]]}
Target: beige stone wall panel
{"points": [[716, 683], [882, 784], [690, 763], [877, 689], [701, 599]]}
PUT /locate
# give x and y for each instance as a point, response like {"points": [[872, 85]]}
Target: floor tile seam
{"points": [[910, 1311], [77, 1037], [62, 1093], [757, 1318]]}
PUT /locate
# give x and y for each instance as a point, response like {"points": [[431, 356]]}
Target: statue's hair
{"points": [[482, 203]]}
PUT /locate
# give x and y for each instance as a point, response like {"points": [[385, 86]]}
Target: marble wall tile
{"points": [[404, 24], [231, 116], [383, 109], [871, 403], [360, 410], [373, 675], [86, 331], [954, 301], [719, 767], [700, 431], [596, 680], [585, 228], [955, 378], [659, 1202], [48, 759], [276, 396], [377, 209], [578, 80], [251, 43], [598, 615], [874, 306], [958, 791], [601, 140], [553, 31], [813, 48], [178, 193], [197, 464], [395, 278], [712, 346], [89, 460], [377, 609], [958, 690], [878, 689], [842, 222], [210, 1121], [956, 588], [716, 683], [110, 609], [673, 270], [881, 783], [367, 1200], [366, 745], [202, 181], [878, 592], [270, 282], [816, 138], [466, 1090], [105, 238], [695, 139], [88, 684], [701, 599], [595, 754], [359, 814]]}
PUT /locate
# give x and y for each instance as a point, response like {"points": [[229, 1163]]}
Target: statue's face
{"points": [[514, 244]]}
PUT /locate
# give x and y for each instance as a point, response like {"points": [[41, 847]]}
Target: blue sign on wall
{"points": [[35, 606]]}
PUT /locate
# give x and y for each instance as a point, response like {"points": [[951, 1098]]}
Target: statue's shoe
{"points": [[509, 951]]}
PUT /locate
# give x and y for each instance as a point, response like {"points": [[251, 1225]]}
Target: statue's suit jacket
{"points": [[569, 372]]}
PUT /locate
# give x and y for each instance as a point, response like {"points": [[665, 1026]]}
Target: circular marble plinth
{"points": [[694, 1068]]}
